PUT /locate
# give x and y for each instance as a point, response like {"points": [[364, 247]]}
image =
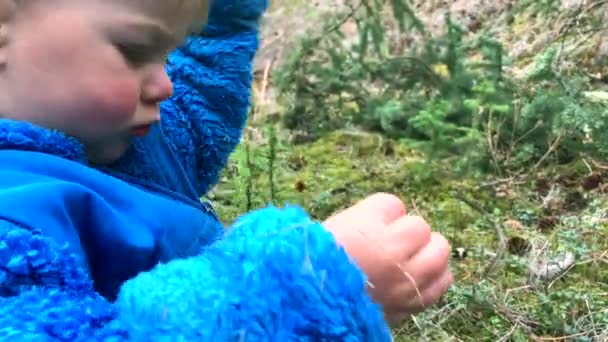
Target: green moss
{"points": [[342, 168], [345, 166]]}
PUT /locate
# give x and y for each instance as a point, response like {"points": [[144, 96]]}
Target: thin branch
{"points": [[500, 232], [551, 149]]}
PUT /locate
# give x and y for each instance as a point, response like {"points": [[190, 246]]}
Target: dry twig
{"points": [[500, 232]]}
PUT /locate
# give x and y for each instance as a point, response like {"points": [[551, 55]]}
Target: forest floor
{"points": [[530, 250]]}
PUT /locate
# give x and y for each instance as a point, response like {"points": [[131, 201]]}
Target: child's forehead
{"points": [[173, 12], [166, 6]]}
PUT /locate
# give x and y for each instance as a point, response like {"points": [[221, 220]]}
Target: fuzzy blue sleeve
{"points": [[276, 276], [202, 122], [45, 295], [212, 76]]}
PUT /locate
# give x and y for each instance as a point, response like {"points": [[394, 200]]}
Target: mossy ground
{"points": [[505, 304], [542, 213]]}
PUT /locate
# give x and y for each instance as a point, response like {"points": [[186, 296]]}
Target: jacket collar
{"points": [[20, 135]]}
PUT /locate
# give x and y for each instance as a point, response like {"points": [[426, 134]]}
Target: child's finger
{"points": [[432, 261], [406, 237], [411, 301], [432, 293], [383, 207], [375, 210]]}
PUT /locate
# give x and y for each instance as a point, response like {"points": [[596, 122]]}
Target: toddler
{"points": [[116, 116]]}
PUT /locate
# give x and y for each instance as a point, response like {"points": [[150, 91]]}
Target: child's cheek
{"points": [[114, 101]]}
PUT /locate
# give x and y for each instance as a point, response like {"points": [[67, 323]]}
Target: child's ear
{"points": [[3, 44], [7, 13]]}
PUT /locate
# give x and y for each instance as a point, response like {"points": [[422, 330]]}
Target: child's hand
{"points": [[406, 264]]}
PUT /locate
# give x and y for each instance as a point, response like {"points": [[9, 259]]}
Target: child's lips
{"points": [[141, 131]]}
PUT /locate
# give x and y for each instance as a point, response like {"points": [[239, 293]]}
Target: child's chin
{"points": [[107, 154]]}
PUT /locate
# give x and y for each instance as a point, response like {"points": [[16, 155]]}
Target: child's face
{"points": [[93, 69]]}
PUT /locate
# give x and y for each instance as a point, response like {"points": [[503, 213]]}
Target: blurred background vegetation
{"points": [[489, 118]]}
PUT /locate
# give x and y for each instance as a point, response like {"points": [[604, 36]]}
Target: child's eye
{"points": [[136, 55]]}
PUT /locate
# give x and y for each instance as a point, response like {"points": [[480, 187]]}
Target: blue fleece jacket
{"points": [[129, 253]]}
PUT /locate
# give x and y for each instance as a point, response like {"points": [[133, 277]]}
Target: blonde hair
{"points": [[200, 6], [9, 8]]}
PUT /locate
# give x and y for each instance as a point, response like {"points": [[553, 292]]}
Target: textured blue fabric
{"points": [[121, 229], [128, 253], [277, 276]]}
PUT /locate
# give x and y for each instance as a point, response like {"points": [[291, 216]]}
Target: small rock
{"points": [[567, 5], [553, 268], [601, 52]]}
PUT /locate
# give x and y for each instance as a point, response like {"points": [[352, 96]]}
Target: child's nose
{"points": [[157, 86]]}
